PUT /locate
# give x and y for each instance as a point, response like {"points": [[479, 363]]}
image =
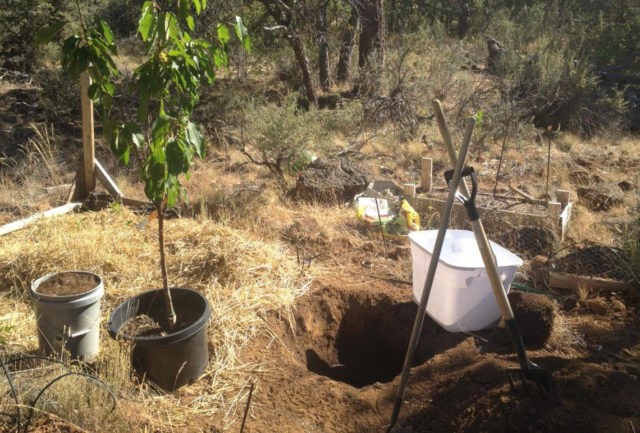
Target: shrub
{"points": [[561, 89], [18, 25], [280, 135]]}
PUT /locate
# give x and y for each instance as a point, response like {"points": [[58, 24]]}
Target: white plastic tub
{"points": [[461, 297]]}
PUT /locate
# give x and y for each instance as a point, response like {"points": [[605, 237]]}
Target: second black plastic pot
{"points": [[180, 356]]}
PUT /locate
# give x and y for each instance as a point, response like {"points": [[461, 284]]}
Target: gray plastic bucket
{"points": [[68, 323]]}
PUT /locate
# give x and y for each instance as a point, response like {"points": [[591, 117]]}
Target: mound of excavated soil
{"points": [[535, 316]]}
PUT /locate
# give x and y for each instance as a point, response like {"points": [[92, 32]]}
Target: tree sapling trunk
{"points": [[171, 314]]}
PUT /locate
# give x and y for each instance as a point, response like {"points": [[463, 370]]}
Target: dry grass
{"points": [[243, 278]]}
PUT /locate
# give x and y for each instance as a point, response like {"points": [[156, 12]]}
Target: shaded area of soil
{"points": [[150, 320], [365, 338], [68, 283]]}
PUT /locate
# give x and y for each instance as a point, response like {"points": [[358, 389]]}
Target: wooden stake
{"points": [[20, 224], [106, 180], [558, 280], [409, 189], [562, 195], [426, 176], [88, 142]]}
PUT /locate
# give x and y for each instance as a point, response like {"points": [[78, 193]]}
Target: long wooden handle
{"points": [[448, 142], [488, 257], [491, 266]]}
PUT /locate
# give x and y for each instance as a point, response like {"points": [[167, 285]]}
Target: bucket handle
{"points": [[66, 332]]}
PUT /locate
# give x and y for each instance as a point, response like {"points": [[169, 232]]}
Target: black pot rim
{"points": [[170, 337]]}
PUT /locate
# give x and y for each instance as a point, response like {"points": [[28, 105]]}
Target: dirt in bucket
{"points": [[67, 284], [142, 326]]}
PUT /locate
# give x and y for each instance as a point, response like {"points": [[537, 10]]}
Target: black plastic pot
{"points": [[177, 358]]}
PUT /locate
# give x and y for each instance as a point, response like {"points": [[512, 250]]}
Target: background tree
{"points": [[371, 45], [323, 45], [347, 42], [286, 15]]}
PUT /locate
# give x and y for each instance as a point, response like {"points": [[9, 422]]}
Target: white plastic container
{"points": [[461, 297]]}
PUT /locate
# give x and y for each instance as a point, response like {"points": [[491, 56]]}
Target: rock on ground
{"points": [[331, 181]]}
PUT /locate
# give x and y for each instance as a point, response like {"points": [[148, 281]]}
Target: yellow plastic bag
{"points": [[410, 215]]}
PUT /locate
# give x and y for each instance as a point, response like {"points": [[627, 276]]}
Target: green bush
{"points": [[280, 135], [19, 22], [560, 88]]}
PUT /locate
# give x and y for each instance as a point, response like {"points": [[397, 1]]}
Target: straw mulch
{"points": [[243, 278]]}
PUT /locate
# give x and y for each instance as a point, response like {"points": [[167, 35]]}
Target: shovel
{"points": [[528, 369], [437, 248]]}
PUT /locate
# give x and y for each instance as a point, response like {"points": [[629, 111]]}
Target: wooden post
{"points": [[562, 195], [409, 189], [88, 142], [554, 208], [426, 176], [106, 180]]}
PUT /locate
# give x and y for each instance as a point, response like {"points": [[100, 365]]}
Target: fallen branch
{"points": [[522, 193]]}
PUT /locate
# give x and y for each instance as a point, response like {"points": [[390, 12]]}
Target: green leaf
{"points": [[160, 130], [109, 129], [173, 190], [198, 6], [108, 88], [93, 90], [243, 34], [178, 158], [223, 34], [120, 147], [138, 140], [220, 58], [106, 32], [48, 33], [173, 28], [155, 176], [190, 22], [195, 139], [147, 20]]}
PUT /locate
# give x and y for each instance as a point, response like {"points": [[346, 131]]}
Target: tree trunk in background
{"points": [[303, 62], [323, 47], [371, 48], [463, 18], [283, 15], [348, 39]]}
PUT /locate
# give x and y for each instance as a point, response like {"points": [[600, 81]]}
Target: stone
{"points": [[331, 181]]}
